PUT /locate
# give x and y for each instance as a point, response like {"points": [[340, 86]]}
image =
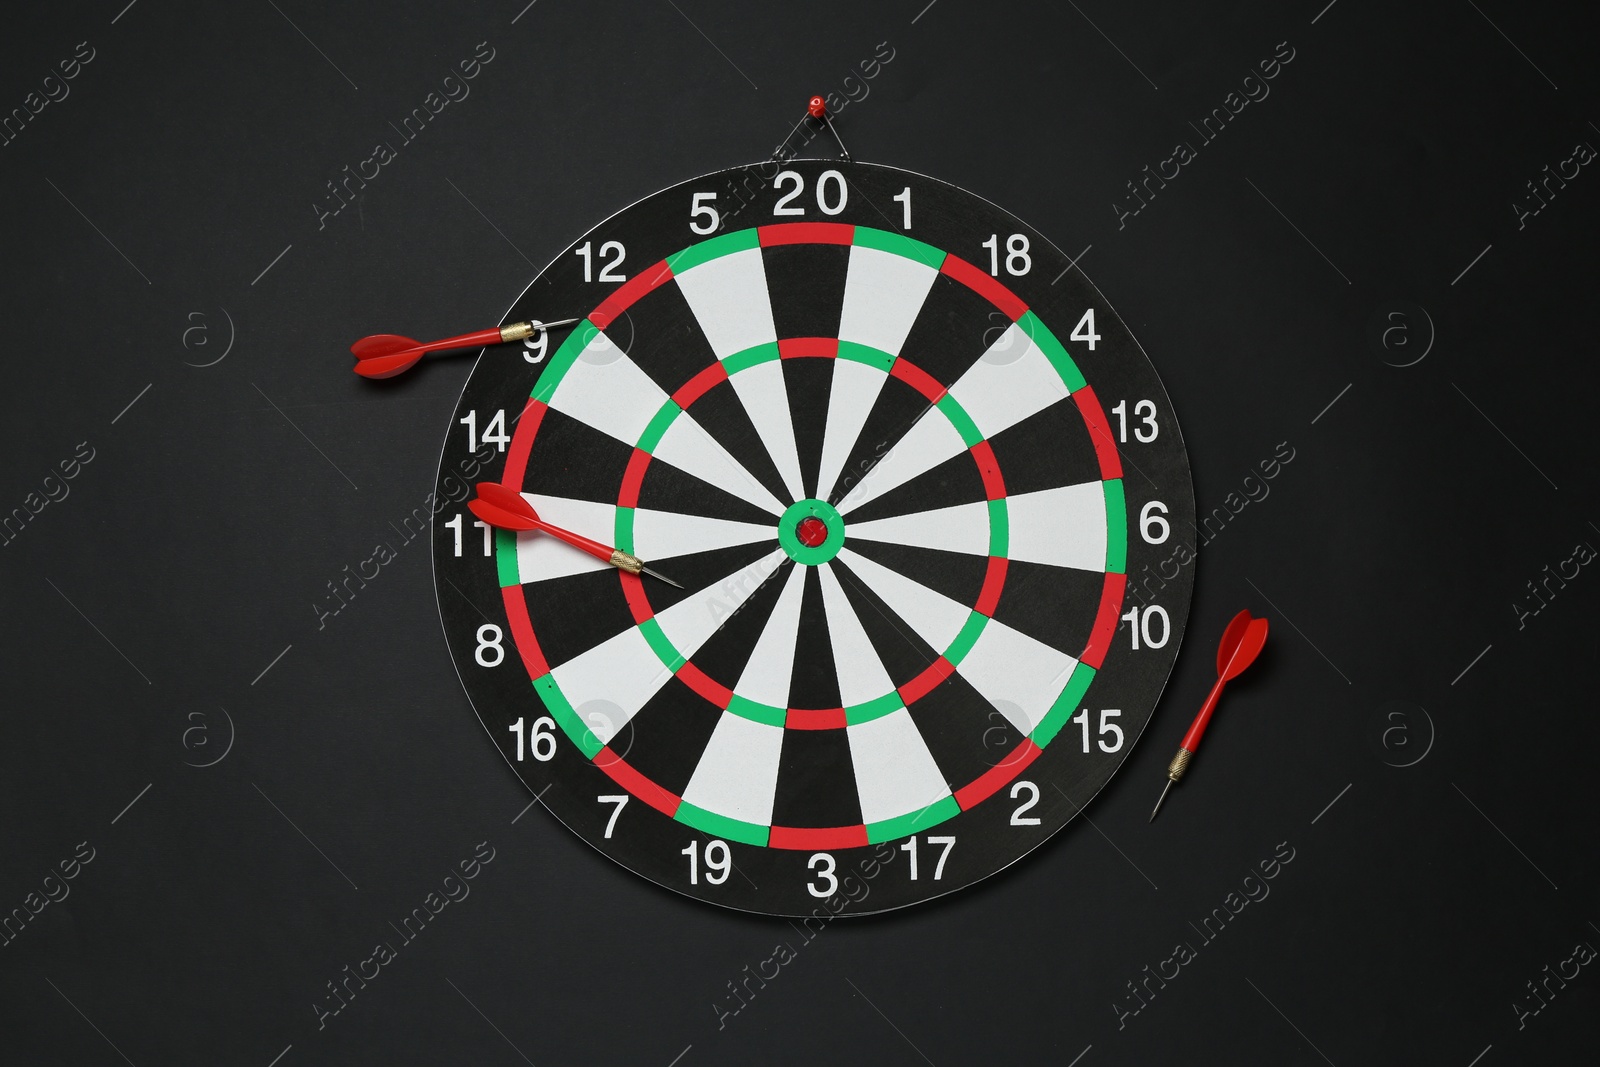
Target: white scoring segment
{"points": [[895, 773], [862, 676], [883, 294], [659, 535], [728, 296], [687, 446], [692, 620], [854, 391], [1021, 677], [962, 528], [623, 672], [932, 616], [928, 443], [1012, 380], [737, 775], [1063, 527], [771, 665], [765, 396], [540, 556], [606, 390]]}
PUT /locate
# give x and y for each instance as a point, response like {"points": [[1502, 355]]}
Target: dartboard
{"points": [[921, 494]]}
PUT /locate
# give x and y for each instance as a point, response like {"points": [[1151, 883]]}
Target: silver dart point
{"points": [[661, 577], [1157, 808]]}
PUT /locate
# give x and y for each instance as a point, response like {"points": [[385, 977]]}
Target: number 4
{"points": [[1084, 331]]}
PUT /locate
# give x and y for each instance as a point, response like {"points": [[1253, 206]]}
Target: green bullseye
{"points": [[811, 531]]}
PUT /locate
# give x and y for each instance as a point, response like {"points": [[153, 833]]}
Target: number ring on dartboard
{"points": [[841, 518]]}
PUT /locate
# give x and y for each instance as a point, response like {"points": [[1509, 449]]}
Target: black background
{"points": [[1390, 553]]}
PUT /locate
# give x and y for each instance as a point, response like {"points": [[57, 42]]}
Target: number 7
{"points": [[621, 801], [948, 843]]}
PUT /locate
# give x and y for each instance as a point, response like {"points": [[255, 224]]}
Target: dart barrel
{"points": [[1179, 764]]}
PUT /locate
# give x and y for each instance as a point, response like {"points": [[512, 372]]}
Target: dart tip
{"points": [[1162, 799], [662, 577]]}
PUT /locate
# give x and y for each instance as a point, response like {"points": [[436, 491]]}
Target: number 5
{"points": [[701, 205]]}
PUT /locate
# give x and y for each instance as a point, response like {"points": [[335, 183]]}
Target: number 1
{"points": [[905, 199]]}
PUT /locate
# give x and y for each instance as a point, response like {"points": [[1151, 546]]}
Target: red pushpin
{"points": [[506, 508], [816, 108], [383, 355], [1241, 644]]}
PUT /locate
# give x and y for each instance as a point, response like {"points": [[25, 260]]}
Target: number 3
{"points": [[826, 875]]}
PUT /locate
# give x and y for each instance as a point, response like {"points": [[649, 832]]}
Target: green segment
{"points": [[906, 825], [802, 553], [999, 528], [727, 244], [505, 557], [966, 638], [1116, 527], [959, 418], [563, 360], [750, 357], [566, 717], [657, 427], [1053, 350], [885, 241], [660, 645], [872, 357], [721, 826], [876, 708], [624, 529], [746, 708], [1064, 708]]}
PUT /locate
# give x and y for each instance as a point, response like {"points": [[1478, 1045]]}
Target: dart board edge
{"points": [[949, 656]]}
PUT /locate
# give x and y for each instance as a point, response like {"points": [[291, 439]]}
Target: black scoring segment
{"points": [[574, 613], [724, 417], [1055, 605], [896, 410], [810, 385], [1047, 450], [724, 655], [903, 653], [964, 732], [666, 738], [953, 329], [806, 286], [814, 682], [955, 481], [660, 333], [572, 459], [958, 575], [816, 780]]}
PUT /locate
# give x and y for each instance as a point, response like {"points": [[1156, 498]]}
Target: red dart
{"points": [[1241, 643], [506, 508], [383, 355]]}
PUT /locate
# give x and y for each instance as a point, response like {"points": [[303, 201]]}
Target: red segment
{"points": [[702, 683], [522, 632], [813, 347], [1105, 446], [811, 531], [628, 292], [696, 387], [817, 839], [924, 683], [918, 379], [993, 779], [806, 233], [638, 603], [522, 443], [816, 107], [1105, 621], [632, 479], [989, 468], [993, 580], [985, 286], [637, 784], [815, 719]]}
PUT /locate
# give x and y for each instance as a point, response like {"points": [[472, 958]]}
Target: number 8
{"points": [[490, 653]]}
